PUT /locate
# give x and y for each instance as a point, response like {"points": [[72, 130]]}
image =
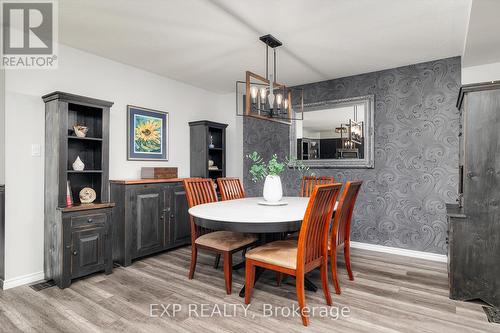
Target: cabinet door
{"points": [[147, 217], [179, 217], [88, 247]]}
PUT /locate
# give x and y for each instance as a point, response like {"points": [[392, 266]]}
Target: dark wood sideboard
{"points": [[150, 216], [474, 224]]}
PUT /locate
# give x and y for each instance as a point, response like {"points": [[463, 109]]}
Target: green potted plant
{"points": [[270, 171]]}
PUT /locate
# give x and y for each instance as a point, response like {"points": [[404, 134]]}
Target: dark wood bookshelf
{"points": [[77, 236], [203, 133]]}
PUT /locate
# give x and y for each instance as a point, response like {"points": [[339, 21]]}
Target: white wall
{"points": [[226, 113], [2, 126], [481, 73], [89, 75]]}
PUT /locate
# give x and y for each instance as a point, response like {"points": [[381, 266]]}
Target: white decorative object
{"points": [[210, 163], [273, 192], [87, 195], [78, 164], [80, 131], [211, 145]]}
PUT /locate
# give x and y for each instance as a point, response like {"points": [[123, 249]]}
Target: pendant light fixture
{"points": [[263, 97]]}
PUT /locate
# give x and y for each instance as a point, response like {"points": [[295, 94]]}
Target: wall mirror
{"points": [[335, 134]]}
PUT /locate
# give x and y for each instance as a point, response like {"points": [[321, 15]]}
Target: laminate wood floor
{"points": [[389, 294]]}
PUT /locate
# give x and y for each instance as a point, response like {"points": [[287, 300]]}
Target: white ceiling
{"points": [[210, 43], [483, 36]]}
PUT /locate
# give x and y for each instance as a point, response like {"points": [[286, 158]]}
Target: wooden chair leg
{"points": [[301, 297], [333, 267], [347, 258], [324, 281], [249, 280], [217, 260], [228, 271], [279, 278], [194, 255]]}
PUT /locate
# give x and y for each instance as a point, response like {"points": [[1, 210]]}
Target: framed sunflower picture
{"points": [[147, 134]]}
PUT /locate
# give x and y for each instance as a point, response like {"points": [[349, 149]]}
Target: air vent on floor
{"points": [[42, 285], [493, 314]]}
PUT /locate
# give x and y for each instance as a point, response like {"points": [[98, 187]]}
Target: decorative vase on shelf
{"points": [[80, 131], [211, 145], [273, 191], [78, 164]]}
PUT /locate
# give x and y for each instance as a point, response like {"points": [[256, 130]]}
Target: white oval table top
{"points": [[248, 210]]}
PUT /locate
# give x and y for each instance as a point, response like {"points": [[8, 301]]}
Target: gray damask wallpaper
{"points": [[403, 198]]}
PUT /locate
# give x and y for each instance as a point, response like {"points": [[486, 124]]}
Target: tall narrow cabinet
{"points": [[77, 236], [474, 224], [208, 143]]}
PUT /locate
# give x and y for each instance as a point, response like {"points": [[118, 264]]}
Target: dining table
{"points": [[254, 215]]}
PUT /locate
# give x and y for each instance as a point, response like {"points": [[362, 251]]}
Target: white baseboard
{"points": [[401, 252], [22, 280]]}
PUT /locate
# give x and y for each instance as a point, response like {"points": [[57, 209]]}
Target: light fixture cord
{"points": [[267, 62], [275, 79]]}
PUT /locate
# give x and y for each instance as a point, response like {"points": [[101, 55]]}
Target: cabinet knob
{"points": [[75, 253], [161, 217], [90, 220]]}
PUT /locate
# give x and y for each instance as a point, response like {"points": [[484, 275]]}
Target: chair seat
{"points": [[281, 253], [225, 240]]}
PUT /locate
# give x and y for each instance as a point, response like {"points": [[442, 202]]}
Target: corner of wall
{"points": [[2, 126]]}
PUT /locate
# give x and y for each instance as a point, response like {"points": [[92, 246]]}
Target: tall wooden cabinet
{"points": [[207, 143], [474, 224], [77, 236], [151, 215]]}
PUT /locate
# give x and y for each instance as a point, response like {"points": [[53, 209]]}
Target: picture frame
{"points": [[147, 134]]}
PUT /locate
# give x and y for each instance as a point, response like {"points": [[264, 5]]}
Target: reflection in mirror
{"points": [[336, 133]]}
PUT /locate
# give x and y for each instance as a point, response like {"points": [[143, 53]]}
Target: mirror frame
{"points": [[368, 162]]}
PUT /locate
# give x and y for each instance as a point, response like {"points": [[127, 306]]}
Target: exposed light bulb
{"points": [[279, 99], [253, 92], [286, 104], [271, 95], [271, 99], [263, 93]]}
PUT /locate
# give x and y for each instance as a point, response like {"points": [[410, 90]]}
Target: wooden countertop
{"points": [[145, 181], [80, 207]]}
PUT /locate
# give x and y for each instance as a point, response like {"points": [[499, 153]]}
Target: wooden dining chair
{"points": [[225, 243], [297, 257], [340, 235], [231, 188], [309, 182]]}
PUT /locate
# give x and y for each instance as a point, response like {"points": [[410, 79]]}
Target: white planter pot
{"points": [[273, 192]]}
